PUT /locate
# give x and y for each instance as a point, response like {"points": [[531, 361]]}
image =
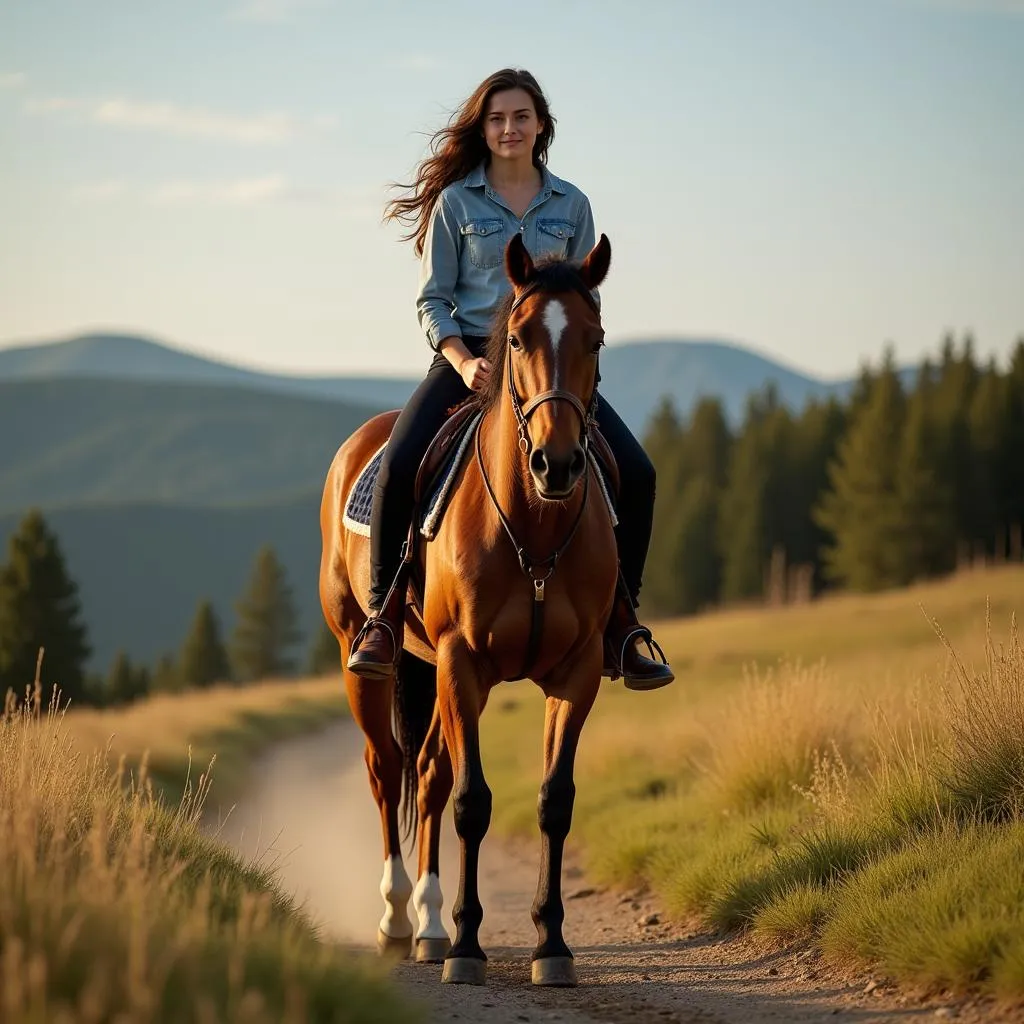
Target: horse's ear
{"points": [[594, 268], [518, 264]]}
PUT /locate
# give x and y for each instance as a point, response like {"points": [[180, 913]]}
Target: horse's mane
{"points": [[554, 276]]}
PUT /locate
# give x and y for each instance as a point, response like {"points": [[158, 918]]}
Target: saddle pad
{"points": [[360, 500]]}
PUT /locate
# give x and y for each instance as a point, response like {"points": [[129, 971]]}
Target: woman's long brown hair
{"points": [[459, 147]]}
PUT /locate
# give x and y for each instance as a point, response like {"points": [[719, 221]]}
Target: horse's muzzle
{"points": [[555, 476]]}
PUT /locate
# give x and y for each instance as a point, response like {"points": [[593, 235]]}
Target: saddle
{"points": [[436, 476]]}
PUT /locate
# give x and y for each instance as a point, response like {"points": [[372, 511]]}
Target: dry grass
{"points": [[806, 759], [114, 906], [229, 723]]}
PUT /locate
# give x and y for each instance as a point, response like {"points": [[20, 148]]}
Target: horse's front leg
{"points": [[571, 693], [461, 696], [434, 768]]}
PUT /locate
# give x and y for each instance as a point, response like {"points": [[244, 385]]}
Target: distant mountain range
{"points": [[163, 472], [635, 374]]}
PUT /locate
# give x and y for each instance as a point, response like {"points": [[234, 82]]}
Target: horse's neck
{"points": [[539, 526]]}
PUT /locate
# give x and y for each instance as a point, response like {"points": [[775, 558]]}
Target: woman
{"points": [[486, 180]]}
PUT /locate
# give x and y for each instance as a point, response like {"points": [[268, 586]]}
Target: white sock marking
{"points": [[427, 900], [396, 888]]}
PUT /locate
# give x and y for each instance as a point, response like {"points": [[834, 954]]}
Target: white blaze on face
{"points": [[556, 321], [396, 888], [427, 900]]}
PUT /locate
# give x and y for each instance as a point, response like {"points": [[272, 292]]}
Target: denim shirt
{"points": [[462, 270]]}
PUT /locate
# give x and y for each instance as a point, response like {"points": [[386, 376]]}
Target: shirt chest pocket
{"points": [[483, 239], [553, 237]]}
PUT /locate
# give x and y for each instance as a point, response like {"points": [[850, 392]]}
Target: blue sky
{"points": [[811, 178]]}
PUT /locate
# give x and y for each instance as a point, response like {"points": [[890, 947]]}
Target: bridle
{"points": [[540, 570], [522, 412]]}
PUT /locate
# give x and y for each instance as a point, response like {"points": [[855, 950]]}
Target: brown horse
{"points": [[519, 580]]}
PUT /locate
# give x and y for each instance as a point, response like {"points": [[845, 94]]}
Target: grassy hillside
{"points": [[836, 774], [115, 906], [142, 569], [106, 441]]}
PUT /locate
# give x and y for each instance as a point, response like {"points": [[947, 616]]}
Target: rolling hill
{"points": [[635, 374], [112, 441]]}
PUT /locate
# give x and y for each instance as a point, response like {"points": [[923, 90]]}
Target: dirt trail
{"points": [[308, 810]]}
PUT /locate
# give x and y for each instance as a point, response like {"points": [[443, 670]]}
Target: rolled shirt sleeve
{"points": [[439, 271]]}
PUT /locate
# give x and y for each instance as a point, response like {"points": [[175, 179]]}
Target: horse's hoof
{"points": [[392, 948], [555, 972], [464, 970], [432, 951]]}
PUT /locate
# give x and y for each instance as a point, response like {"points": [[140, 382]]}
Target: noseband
{"points": [[540, 570]]}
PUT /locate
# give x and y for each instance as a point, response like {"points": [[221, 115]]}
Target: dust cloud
{"points": [[307, 812]]}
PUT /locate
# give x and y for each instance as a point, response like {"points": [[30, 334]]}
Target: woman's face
{"points": [[511, 125]]}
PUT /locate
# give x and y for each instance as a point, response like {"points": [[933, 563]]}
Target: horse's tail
{"points": [[415, 696]]}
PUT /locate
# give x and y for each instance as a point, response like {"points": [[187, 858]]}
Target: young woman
{"points": [[487, 179]]}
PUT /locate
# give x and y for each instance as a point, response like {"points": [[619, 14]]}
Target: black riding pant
{"points": [[420, 420]]}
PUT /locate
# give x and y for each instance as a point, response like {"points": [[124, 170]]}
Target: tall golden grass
{"points": [[115, 906], [839, 773]]}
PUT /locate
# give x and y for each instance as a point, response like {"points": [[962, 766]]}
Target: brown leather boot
{"points": [[622, 655], [378, 644]]}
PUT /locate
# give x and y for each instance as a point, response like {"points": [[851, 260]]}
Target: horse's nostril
{"points": [[578, 461], [539, 461]]}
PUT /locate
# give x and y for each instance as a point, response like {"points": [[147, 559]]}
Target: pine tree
{"points": [[39, 607], [266, 630], [704, 446], [126, 682], [166, 678], [860, 511], [927, 516], [754, 506], [987, 421], [1011, 461], [741, 521], [203, 660], [324, 654], [695, 564]]}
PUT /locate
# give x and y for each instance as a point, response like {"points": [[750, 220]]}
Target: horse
{"points": [[518, 581]]}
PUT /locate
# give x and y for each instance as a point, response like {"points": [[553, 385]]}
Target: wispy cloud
{"points": [[242, 192], [273, 12], [415, 62], [266, 190], [184, 122], [10, 80], [52, 104], [98, 191]]}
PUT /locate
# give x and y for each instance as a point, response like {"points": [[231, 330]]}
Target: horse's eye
{"points": [[513, 342], [598, 345]]}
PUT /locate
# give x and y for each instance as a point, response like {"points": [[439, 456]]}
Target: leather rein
{"points": [[540, 570]]}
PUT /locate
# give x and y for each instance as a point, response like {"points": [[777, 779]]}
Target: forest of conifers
{"points": [[892, 485]]}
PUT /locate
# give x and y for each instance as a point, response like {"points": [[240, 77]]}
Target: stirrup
{"points": [[642, 633], [371, 621]]}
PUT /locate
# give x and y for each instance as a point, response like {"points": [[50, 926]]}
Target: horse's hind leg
{"points": [[569, 701], [434, 768], [370, 701]]}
